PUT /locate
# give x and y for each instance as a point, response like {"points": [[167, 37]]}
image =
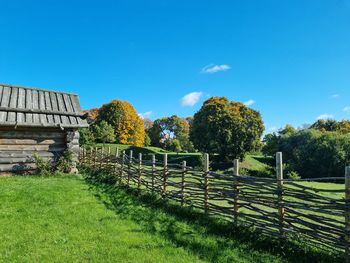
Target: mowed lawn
{"points": [[60, 219]]}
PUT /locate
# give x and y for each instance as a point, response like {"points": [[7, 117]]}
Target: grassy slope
{"points": [[255, 164], [61, 220]]}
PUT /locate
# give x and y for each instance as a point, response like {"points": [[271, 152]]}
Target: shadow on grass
{"points": [[209, 238]]}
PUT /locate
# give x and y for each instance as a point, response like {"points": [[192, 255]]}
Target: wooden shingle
{"points": [[33, 107]]}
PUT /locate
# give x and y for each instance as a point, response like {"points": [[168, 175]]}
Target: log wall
{"points": [[17, 147]]}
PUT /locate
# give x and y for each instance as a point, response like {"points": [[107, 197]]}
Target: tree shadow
{"points": [[209, 238]]}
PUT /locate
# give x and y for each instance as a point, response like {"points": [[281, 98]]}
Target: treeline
{"points": [[225, 128], [322, 150]]}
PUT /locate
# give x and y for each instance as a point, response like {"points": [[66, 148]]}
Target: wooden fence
{"points": [[280, 208]]}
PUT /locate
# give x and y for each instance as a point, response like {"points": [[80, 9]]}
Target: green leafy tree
{"points": [[171, 133], [86, 136], [229, 129], [104, 132], [272, 141], [332, 126]]}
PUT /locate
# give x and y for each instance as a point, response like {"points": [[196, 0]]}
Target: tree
{"points": [[104, 132], [272, 141], [229, 129], [128, 126], [330, 125], [171, 133], [86, 136], [91, 114]]}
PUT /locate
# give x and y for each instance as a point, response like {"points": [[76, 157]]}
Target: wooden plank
{"points": [[11, 117], [24, 154], [35, 99], [75, 103], [2, 114], [18, 160], [17, 167], [69, 106], [42, 117], [29, 105], [5, 100], [51, 148], [54, 104], [62, 107], [48, 107], [21, 104], [43, 141], [1, 90], [31, 135], [67, 102]]}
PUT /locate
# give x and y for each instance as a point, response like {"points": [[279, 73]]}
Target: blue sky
{"points": [[290, 59]]}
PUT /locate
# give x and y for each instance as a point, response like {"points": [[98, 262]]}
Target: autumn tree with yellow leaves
{"points": [[128, 126]]}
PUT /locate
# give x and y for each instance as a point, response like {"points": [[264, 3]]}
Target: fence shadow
{"points": [[209, 238]]}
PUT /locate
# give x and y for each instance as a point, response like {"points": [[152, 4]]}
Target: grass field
{"points": [[63, 219], [254, 164]]}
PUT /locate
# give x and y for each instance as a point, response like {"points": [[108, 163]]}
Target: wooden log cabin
{"points": [[38, 121]]}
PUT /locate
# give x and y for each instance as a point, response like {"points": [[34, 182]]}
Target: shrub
{"points": [[313, 153], [86, 137], [66, 162], [43, 167], [293, 175]]}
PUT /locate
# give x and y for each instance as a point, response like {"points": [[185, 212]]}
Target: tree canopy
{"points": [[104, 132], [128, 126], [171, 133], [332, 125], [229, 129]]}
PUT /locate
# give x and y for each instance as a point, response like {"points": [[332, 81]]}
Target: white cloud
{"points": [[212, 68], [191, 99], [347, 109], [325, 117], [146, 114], [335, 96], [249, 102]]}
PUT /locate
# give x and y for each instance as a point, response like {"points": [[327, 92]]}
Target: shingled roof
{"points": [[32, 107]]}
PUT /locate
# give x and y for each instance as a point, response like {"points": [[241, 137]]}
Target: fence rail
{"points": [[281, 208]]}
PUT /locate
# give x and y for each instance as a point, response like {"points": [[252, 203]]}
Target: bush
{"points": [[86, 137], [313, 153], [66, 162], [43, 167], [293, 175]]}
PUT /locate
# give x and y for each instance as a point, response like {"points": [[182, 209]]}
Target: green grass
{"points": [[211, 238], [63, 219], [254, 164], [60, 220]]}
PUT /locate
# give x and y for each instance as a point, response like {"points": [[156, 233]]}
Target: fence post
{"points": [[139, 172], [165, 174], [206, 182], [122, 166], [116, 160], [183, 184], [108, 159], [235, 190], [89, 163], [129, 167], [153, 171], [279, 175], [101, 157], [347, 214], [84, 156], [95, 158]]}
